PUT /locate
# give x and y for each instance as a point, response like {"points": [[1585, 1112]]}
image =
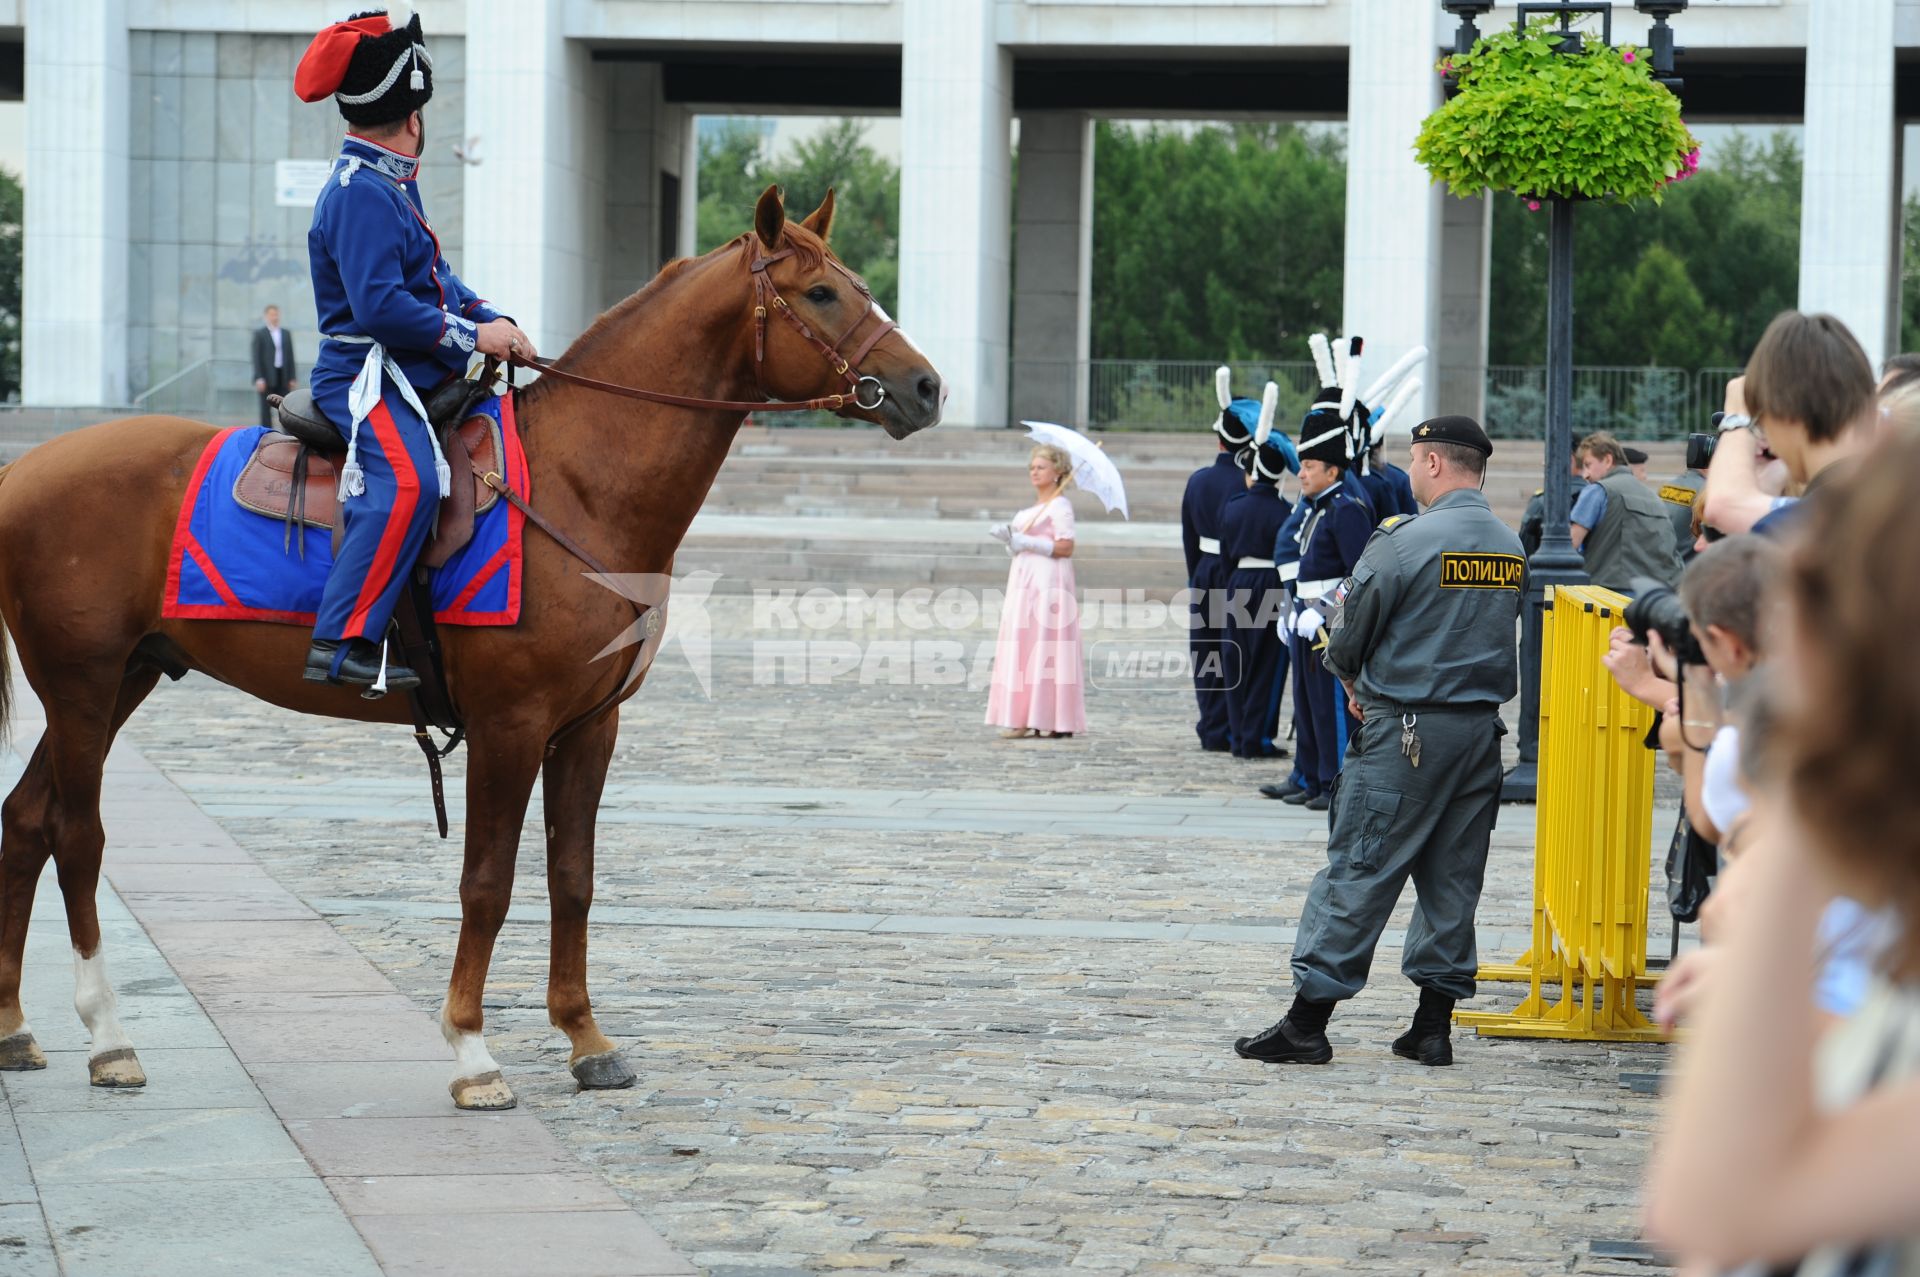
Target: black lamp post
{"points": [[1556, 562]]}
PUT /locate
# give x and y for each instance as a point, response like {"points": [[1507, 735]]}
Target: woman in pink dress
{"points": [[1037, 688]]}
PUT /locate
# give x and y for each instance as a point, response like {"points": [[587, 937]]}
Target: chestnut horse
{"points": [[85, 527]]}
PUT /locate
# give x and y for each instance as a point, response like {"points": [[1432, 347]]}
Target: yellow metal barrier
{"points": [[1592, 841]]}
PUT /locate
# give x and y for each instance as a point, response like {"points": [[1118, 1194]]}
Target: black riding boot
{"points": [[1299, 1038], [1429, 1041], [359, 668]]}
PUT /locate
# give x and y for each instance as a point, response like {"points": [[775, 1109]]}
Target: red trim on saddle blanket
{"points": [[508, 557]]}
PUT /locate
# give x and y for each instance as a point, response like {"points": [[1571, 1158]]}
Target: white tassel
{"points": [[1322, 359], [1223, 386], [1401, 398], [1269, 404], [1387, 379], [353, 166], [353, 480], [1349, 369]]}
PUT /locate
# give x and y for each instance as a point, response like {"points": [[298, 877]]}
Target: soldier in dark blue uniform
{"points": [[1248, 525], [1423, 642], [1387, 485], [1334, 528], [1208, 489]]}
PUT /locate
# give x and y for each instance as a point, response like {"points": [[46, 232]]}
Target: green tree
{"points": [[866, 189], [1223, 242], [12, 201], [1910, 274], [1690, 284]]}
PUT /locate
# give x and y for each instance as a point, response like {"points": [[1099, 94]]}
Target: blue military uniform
{"points": [[1389, 490], [1256, 601], [1208, 491], [1333, 531], [394, 320]]}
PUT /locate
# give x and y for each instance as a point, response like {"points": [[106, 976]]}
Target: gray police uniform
{"points": [[1426, 637]]}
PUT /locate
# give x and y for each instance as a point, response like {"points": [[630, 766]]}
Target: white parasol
{"points": [[1093, 469]]}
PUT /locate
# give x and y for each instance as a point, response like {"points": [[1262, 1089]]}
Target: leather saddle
{"points": [[293, 474]]}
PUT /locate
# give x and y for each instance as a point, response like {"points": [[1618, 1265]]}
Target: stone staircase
{"points": [[800, 508]]}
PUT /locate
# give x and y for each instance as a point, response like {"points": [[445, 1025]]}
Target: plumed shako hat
{"points": [[374, 65], [1334, 430]]}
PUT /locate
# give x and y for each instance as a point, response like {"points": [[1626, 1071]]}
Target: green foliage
{"points": [[1910, 274], [1691, 284], [12, 201], [1531, 120], [866, 192], [1224, 242]]}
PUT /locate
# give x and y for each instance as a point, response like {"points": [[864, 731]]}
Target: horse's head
{"points": [[820, 332]]}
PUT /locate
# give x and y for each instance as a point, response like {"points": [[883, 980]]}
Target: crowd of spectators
{"points": [[1796, 1098]]}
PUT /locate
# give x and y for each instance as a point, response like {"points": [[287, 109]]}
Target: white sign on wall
{"points": [[297, 183]]}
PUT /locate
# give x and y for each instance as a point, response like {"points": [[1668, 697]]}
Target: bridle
{"points": [[766, 297]]}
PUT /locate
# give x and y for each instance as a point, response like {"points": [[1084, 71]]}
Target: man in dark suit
{"points": [[273, 368]]}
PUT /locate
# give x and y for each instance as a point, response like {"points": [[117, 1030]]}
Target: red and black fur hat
{"points": [[374, 65]]}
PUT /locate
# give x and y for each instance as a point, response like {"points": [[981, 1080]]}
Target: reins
{"points": [[766, 298]]}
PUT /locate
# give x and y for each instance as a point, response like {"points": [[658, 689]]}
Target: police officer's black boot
{"points": [[360, 667], [1429, 1041], [1299, 1038]]}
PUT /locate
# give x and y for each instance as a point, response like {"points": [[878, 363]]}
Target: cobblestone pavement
{"points": [[905, 997]]}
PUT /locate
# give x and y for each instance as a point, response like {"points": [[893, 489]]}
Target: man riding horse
{"points": [[395, 320]]}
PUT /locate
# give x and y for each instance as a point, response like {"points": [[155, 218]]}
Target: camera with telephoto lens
{"points": [[1700, 450], [1656, 609]]}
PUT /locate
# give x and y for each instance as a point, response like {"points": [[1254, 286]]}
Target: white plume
{"points": [[1269, 404], [399, 13], [1322, 358], [1223, 386], [1385, 384], [1348, 353], [1401, 397]]}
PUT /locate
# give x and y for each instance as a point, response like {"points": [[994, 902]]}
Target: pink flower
{"points": [[1446, 68], [1628, 55], [1533, 206]]}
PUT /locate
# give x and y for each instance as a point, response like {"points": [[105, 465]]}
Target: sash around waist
{"points": [[1317, 588], [1256, 563], [1209, 545]]}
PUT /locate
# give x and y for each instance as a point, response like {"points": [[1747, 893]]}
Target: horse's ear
{"points": [[770, 217], [820, 221]]}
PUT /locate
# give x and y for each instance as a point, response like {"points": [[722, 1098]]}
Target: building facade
{"points": [[165, 203]]}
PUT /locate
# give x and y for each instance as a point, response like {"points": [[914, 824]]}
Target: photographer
{"points": [[1806, 401]]}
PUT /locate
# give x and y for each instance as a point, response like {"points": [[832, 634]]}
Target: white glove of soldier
{"points": [[1308, 623], [1032, 545], [1001, 531]]}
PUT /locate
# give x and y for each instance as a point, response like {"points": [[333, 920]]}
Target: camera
{"points": [[1656, 609], [1700, 451]]}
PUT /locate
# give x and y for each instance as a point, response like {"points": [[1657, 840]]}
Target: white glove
{"points": [[1001, 531], [1308, 623], [1032, 545]]}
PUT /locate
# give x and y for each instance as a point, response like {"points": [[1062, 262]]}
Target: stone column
{"points": [[1053, 267], [536, 209], [1392, 295], [1849, 209], [74, 291], [956, 113], [1457, 369]]}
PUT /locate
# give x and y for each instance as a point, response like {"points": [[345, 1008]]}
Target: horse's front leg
{"points": [[574, 777], [502, 764]]}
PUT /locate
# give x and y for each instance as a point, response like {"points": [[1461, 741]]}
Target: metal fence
{"points": [[1635, 403], [1167, 394]]}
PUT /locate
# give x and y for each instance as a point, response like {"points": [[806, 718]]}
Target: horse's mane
{"points": [[809, 250]]}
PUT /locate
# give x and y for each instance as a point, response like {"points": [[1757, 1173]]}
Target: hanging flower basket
{"points": [[1549, 125]]}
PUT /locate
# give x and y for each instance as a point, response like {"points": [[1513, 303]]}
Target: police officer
{"points": [[1533, 520], [1424, 644], [1208, 489], [1678, 495]]}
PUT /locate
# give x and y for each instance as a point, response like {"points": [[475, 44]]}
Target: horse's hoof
{"points": [[488, 1091], [19, 1052], [116, 1068], [607, 1071]]}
